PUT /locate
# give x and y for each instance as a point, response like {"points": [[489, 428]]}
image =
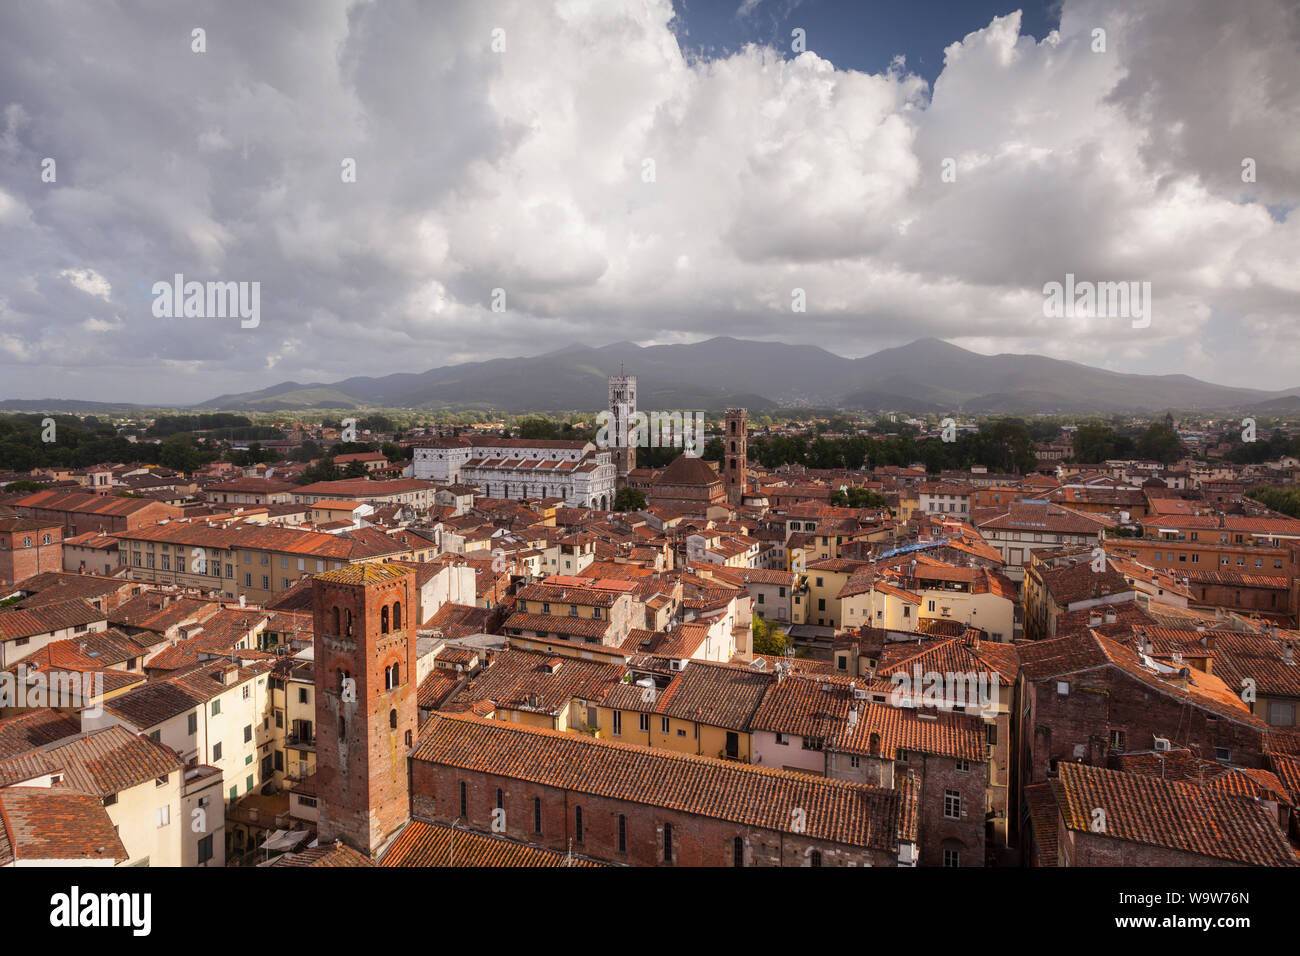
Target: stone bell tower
{"points": [[622, 406]]}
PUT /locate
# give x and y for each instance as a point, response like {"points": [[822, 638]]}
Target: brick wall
{"points": [[1107, 699], [18, 562]]}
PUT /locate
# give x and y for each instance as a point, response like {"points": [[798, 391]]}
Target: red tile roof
{"points": [[1177, 816], [852, 814]]}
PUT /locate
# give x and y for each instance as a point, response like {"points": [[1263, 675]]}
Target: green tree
{"points": [[629, 499], [1160, 443], [857, 498], [536, 428], [769, 640]]}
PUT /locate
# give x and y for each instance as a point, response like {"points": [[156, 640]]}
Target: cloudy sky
{"points": [[643, 170]]}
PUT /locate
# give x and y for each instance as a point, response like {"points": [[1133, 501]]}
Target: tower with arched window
{"points": [[735, 447], [366, 715]]}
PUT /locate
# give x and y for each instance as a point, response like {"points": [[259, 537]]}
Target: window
{"points": [[537, 815], [738, 852], [205, 849], [248, 733], [464, 798], [618, 723], [162, 781], [622, 833], [577, 825], [668, 842], [216, 751], [663, 725], [392, 719], [1222, 754], [963, 766], [501, 797], [643, 723], [952, 858], [192, 724], [952, 804], [1117, 740], [302, 695], [991, 734], [815, 858], [110, 800], [783, 740], [164, 816], [248, 783], [1281, 713]]}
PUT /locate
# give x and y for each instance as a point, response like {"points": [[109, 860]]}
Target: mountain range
{"points": [[925, 376]]}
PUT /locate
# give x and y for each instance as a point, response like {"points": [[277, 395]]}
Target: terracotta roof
{"points": [[884, 731], [1178, 816], [423, 843], [557, 624], [687, 470], [331, 855], [852, 814], [18, 623], [364, 574], [55, 823], [29, 731], [113, 759], [720, 695], [458, 620], [82, 503], [1088, 650], [540, 682]]}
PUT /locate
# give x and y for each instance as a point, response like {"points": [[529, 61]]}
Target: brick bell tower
{"points": [[735, 445], [366, 715]]}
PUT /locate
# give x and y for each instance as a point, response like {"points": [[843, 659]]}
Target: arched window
{"points": [[383, 620], [577, 825], [738, 851], [537, 814], [815, 858], [397, 615], [349, 622], [391, 678], [501, 799], [408, 738], [392, 718]]}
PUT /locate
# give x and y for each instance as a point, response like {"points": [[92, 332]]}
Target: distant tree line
{"points": [[80, 443], [1001, 446], [1285, 500]]}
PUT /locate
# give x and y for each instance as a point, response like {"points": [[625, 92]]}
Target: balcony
{"points": [[300, 741]]}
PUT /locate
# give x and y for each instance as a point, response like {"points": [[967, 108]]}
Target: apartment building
{"points": [[255, 562]]}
